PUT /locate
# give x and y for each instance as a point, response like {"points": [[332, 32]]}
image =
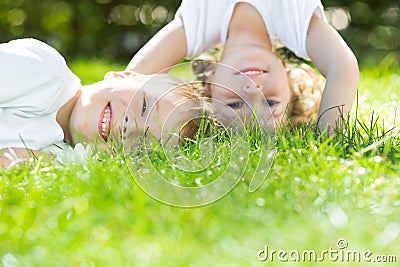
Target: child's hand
{"points": [[14, 156], [119, 74]]}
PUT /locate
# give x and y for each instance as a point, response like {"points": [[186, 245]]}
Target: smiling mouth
{"points": [[105, 119], [252, 71]]}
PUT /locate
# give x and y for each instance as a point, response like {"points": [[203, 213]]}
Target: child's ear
{"points": [[118, 74]]}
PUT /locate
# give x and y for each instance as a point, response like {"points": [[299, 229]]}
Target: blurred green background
{"points": [[116, 29]]}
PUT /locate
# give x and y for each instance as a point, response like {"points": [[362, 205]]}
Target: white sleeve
{"points": [[35, 84], [290, 22], [34, 77], [201, 20]]}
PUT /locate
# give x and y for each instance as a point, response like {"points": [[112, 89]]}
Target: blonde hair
{"points": [[199, 114], [306, 87], [305, 84]]}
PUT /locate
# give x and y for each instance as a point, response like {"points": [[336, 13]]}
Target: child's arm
{"points": [[165, 49], [7, 155], [337, 63]]}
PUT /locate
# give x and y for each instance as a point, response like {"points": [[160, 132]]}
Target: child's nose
{"points": [[254, 92]]}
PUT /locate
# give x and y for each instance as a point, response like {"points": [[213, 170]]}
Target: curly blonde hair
{"points": [[305, 84], [306, 87]]}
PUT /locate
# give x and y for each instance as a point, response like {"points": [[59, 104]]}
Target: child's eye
{"points": [[144, 107], [271, 103], [236, 105]]}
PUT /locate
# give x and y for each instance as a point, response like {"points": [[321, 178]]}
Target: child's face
{"points": [[252, 80], [132, 106]]}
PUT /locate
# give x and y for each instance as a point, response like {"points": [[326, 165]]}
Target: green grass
{"points": [[319, 190]]}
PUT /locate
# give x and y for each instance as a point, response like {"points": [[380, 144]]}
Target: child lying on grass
{"points": [[248, 31], [43, 105]]}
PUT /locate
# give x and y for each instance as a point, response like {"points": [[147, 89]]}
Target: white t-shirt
{"points": [[206, 22], [35, 82]]}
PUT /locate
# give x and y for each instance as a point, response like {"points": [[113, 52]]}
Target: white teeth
{"points": [[252, 72], [105, 122]]}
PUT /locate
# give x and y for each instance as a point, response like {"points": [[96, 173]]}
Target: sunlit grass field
{"points": [[321, 194]]}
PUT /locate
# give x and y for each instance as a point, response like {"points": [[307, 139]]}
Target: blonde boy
{"points": [[43, 105]]}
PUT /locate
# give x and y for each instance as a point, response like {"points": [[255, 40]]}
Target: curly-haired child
{"points": [[248, 31]]}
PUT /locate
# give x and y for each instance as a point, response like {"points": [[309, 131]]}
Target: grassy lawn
{"points": [[319, 195]]}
